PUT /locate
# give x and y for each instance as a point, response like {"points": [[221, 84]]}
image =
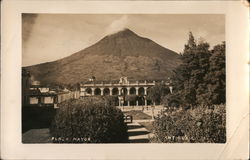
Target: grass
{"points": [[137, 115]]}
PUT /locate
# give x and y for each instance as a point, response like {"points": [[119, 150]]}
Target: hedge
{"points": [[111, 100], [131, 97], [88, 120], [199, 125]]}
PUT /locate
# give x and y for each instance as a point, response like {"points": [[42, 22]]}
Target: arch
{"points": [[141, 91], [132, 90], [106, 91], [97, 91], [88, 91], [115, 91], [124, 91]]}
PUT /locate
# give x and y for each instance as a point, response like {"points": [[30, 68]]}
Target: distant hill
{"points": [[121, 54]]}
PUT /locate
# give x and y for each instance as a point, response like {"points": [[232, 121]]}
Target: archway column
{"points": [[93, 91], [119, 98], [128, 93], [101, 91], [110, 91], [119, 90], [145, 100], [128, 90], [137, 91], [145, 90]]}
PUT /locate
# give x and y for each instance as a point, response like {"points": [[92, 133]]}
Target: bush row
{"points": [[88, 120], [199, 125]]}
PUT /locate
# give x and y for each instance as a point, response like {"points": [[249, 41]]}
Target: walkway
{"points": [[36, 136], [143, 120], [137, 133], [147, 109]]}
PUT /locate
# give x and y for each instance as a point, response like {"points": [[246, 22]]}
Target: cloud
{"points": [[117, 25]]}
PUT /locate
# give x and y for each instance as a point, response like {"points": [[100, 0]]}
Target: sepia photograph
{"points": [[123, 78]]}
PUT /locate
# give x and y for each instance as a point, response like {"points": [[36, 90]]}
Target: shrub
{"points": [[156, 93], [200, 125], [131, 97], [170, 100], [111, 100], [88, 120]]}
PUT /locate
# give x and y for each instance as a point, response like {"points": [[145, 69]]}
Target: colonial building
{"points": [[120, 88]]}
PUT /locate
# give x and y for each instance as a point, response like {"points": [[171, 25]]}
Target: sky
{"points": [[49, 37]]}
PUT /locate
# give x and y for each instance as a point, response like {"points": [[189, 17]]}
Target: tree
{"points": [[111, 100], [189, 75], [215, 79], [156, 93], [200, 79]]}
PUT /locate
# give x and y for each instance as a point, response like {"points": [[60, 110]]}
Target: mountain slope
{"points": [[121, 54]]}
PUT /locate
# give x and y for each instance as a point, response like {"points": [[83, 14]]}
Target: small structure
{"points": [[41, 96], [34, 94]]}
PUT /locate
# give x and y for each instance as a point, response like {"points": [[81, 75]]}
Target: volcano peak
{"points": [[124, 32]]}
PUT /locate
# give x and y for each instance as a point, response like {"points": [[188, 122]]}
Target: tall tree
{"points": [[157, 92], [190, 73], [200, 79], [214, 84]]}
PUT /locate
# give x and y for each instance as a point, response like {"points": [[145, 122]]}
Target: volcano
{"points": [[120, 54]]}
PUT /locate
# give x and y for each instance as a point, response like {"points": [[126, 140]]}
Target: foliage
{"points": [[157, 92], [198, 125], [171, 100], [88, 120], [200, 79], [214, 81], [131, 97], [111, 100], [199, 84]]}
